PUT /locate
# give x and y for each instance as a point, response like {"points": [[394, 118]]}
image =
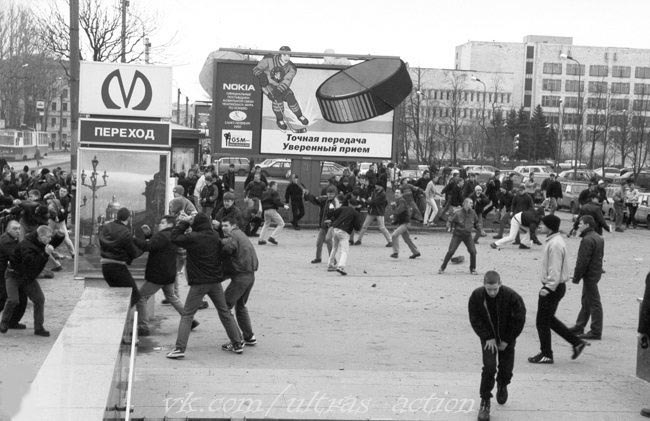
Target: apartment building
{"points": [[56, 119]]}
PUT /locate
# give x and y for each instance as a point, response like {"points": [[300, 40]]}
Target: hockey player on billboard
{"points": [[275, 73]]}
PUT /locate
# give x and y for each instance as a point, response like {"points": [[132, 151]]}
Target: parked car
{"points": [[330, 169], [280, 168], [516, 180], [242, 165], [608, 206], [609, 174], [571, 163], [570, 192], [576, 175], [642, 180], [540, 171], [643, 211], [483, 172], [364, 167]]}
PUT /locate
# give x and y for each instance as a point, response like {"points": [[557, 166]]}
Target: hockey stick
{"points": [[291, 127]]}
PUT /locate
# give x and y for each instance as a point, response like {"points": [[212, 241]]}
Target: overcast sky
{"points": [[421, 32]]}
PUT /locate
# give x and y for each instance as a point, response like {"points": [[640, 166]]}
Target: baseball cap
{"points": [[179, 189]]}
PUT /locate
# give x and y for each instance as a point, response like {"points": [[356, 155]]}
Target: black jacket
{"points": [[203, 245], [596, 212], [521, 203], [8, 246], [293, 194], [554, 189], [347, 219], [326, 205], [29, 258], [161, 264], [511, 315], [116, 243], [377, 203], [271, 200], [644, 317], [589, 265]]}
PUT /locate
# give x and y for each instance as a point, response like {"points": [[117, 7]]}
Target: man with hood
{"points": [[204, 276], [376, 211]]}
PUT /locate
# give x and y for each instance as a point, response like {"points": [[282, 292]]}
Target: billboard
{"points": [[253, 119]]}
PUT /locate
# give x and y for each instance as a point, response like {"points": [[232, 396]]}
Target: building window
{"points": [[550, 101], [620, 88], [597, 103], [573, 69], [618, 120], [641, 89], [471, 94], [621, 71], [552, 68], [448, 95], [466, 94], [571, 102], [571, 118], [527, 100], [572, 86], [598, 70], [530, 52], [596, 119], [54, 106], [64, 106], [471, 113], [619, 104], [641, 105], [551, 85], [64, 122], [64, 93], [508, 101], [64, 136], [53, 121], [529, 68], [642, 72], [598, 87], [53, 136]]}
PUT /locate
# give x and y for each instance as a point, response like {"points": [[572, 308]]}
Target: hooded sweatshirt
{"points": [[203, 246]]}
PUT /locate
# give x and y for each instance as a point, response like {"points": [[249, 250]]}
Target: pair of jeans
{"points": [[19, 310], [546, 321], [631, 211], [118, 275], [619, 210], [431, 210], [402, 231], [380, 224], [237, 293], [515, 229], [456, 239], [193, 302], [33, 291], [271, 216], [147, 290], [323, 237], [504, 361], [591, 307], [341, 246]]}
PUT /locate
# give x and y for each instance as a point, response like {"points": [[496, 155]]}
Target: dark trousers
{"points": [[237, 294], [252, 226], [546, 321], [19, 310], [591, 307], [298, 211], [322, 239], [35, 294], [631, 209], [504, 361], [117, 275], [456, 239]]}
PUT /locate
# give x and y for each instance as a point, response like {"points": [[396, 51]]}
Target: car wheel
{"points": [[241, 172]]}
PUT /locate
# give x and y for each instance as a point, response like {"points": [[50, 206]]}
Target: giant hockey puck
{"points": [[363, 91]]}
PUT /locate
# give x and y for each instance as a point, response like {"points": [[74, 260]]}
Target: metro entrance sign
{"points": [[125, 90]]}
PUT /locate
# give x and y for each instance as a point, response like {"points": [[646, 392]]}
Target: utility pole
{"points": [[187, 103], [178, 107], [74, 89], [125, 4]]}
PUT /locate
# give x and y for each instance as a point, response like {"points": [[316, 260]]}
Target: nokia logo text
{"points": [[238, 87]]}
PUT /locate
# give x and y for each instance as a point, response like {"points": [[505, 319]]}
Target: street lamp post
{"points": [[93, 188], [579, 122], [482, 117], [560, 132]]}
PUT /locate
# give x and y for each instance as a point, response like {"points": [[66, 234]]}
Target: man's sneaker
{"points": [[237, 348], [414, 255], [441, 271], [484, 410], [498, 237], [58, 268], [18, 326], [394, 255], [316, 261], [165, 302], [250, 341], [303, 120], [341, 271], [261, 242], [42, 332], [577, 350], [273, 241], [331, 269], [389, 244], [176, 354], [521, 246], [540, 359], [357, 243], [473, 272], [493, 245], [195, 324], [203, 305], [591, 336], [281, 124], [502, 394], [143, 331], [4, 327]]}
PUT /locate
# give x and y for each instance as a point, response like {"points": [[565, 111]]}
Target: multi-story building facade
{"points": [[586, 92], [56, 119]]}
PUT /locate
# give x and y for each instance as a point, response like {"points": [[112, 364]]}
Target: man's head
{"points": [[228, 224], [586, 221], [492, 283], [467, 203], [179, 191], [228, 200], [552, 223], [257, 176], [522, 189], [208, 179], [13, 229], [398, 193], [231, 168], [478, 190], [551, 176], [426, 175], [460, 182], [284, 55], [167, 221], [273, 186], [294, 178], [34, 195], [63, 192], [331, 192], [44, 234], [123, 215]]}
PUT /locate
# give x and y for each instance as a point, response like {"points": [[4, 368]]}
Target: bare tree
{"points": [[453, 119], [639, 130]]}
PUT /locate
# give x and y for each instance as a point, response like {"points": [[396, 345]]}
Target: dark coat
{"points": [[326, 205], [161, 264], [240, 253], [596, 212], [203, 245], [554, 189], [8, 246], [521, 203], [116, 243], [347, 219], [29, 258], [377, 203], [644, 317], [511, 315], [589, 265]]}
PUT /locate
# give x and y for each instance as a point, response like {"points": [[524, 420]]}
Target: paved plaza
{"points": [[391, 340]]}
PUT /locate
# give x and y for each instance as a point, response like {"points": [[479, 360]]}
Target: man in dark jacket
{"points": [[553, 193], [327, 204], [345, 219], [25, 264], [8, 244], [589, 268], [462, 224], [644, 326], [204, 276], [117, 251], [270, 204], [294, 196], [401, 218], [592, 208], [229, 179], [492, 190], [229, 210], [160, 271], [242, 258], [497, 315], [376, 212]]}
